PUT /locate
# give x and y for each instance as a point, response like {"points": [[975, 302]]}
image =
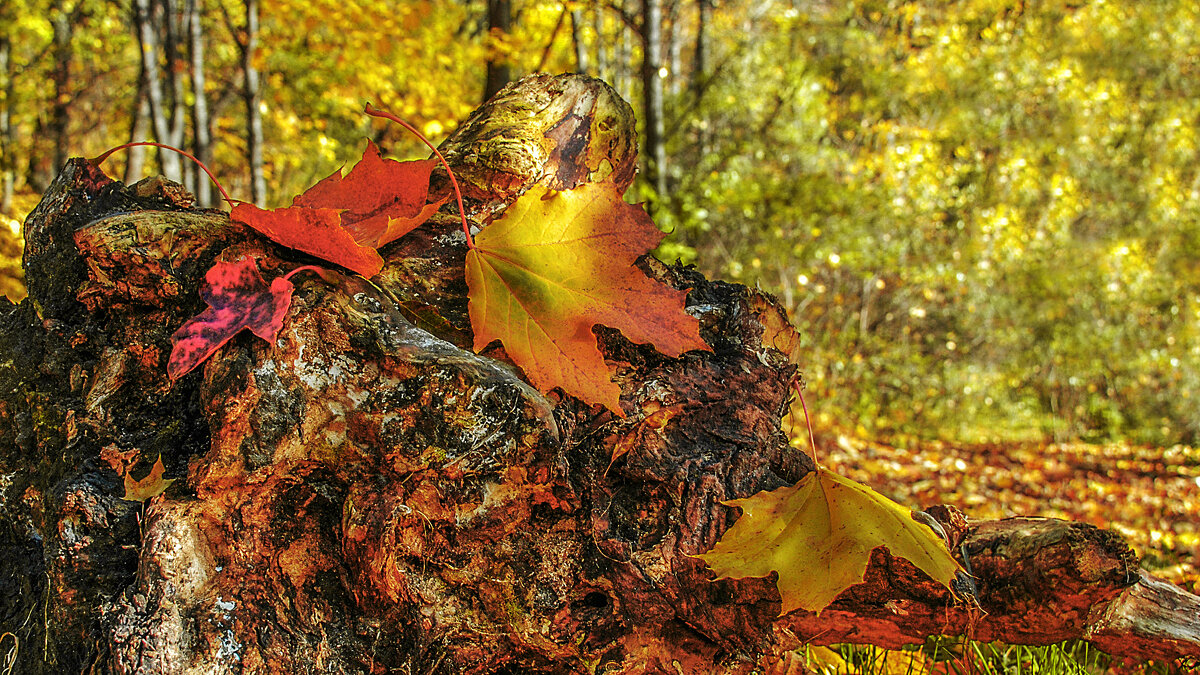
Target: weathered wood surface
{"points": [[1037, 581], [369, 496]]}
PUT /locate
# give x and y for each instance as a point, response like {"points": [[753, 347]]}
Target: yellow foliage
{"points": [[12, 276]]}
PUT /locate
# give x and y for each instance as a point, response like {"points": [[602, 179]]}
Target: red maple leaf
{"points": [[317, 232], [343, 219], [381, 199], [238, 297]]}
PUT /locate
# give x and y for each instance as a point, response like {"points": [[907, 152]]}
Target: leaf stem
{"points": [[376, 112], [812, 441], [319, 271], [224, 195]]}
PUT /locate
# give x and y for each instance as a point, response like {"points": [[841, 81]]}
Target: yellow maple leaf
{"points": [[151, 486], [557, 264], [818, 535]]}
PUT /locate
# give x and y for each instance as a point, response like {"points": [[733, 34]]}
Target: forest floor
{"points": [[1148, 495]]}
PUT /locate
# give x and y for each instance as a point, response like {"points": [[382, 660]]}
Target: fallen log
{"points": [[1036, 581], [368, 495]]}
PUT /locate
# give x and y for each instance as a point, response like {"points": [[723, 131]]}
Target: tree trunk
{"points": [[1037, 581], [622, 61], [147, 16], [201, 124], [174, 70], [499, 71], [652, 99], [8, 169], [365, 496], [700, 54], [252, 95], [602, 43], [577, 41], [674, 47], [63, 29], [135, 157]]}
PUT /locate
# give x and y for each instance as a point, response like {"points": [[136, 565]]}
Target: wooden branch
{"points": [[1037, 581], [1151, 619]]}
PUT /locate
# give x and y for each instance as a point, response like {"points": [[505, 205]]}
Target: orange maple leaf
{"points": [[382, 199], [318, 232], [555, 265], [343, 219]]}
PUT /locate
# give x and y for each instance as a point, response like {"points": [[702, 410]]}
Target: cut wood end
{"points": [[1151, 619]]}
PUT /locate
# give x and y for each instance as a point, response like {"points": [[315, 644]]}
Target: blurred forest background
{"points": [[983, 215]]}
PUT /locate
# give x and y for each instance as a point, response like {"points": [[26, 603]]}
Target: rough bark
{"points": [[368, 496], [1037, 581]]}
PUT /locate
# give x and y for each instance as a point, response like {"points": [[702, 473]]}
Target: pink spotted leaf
{"points": [[238, 297]]}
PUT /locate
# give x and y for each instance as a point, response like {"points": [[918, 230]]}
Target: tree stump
{"points": [[370, 496]]}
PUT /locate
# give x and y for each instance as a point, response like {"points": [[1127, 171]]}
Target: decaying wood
{"points": [[369, 496]]}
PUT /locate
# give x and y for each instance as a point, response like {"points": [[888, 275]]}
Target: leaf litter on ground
{"points": [[1148, 495]]}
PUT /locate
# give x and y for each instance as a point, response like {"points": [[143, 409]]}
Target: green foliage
{"points": [[960, 656], [982, 214]]}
